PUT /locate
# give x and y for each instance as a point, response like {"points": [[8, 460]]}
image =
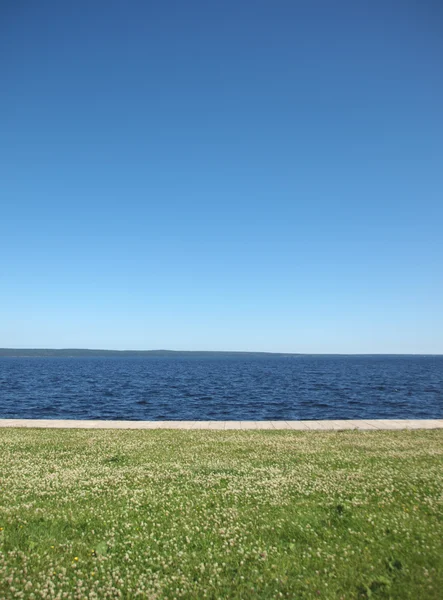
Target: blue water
{"points": [[234, 388]]}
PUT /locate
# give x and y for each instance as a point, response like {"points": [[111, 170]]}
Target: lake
{"points": [[229, 388]]}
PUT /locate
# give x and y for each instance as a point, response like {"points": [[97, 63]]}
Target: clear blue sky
{"points": [[238, 175]]}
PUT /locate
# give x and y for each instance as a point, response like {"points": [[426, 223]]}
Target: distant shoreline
{"points": [[83, 352], [80, 352]]}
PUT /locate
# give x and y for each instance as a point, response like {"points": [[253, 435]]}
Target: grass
{"points": [[213, 514]]}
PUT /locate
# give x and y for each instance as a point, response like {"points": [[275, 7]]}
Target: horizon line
{"points": [[166, 350]]}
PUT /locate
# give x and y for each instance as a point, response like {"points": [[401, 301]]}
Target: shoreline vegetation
{"points": [[170, 514], [84, 352], [79, 352]]}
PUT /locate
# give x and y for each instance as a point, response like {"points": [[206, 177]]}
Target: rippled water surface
{"points": [[237, 388]]}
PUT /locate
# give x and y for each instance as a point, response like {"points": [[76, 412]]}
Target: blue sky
{"points": [[222, 175]]}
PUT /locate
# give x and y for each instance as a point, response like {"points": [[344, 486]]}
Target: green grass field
{"points": [[213, 514]]}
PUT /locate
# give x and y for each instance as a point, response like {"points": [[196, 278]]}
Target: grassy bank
{"points": [[183, 514]]}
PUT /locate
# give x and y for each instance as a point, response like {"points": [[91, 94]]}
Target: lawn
{"points": [[214, 514]]}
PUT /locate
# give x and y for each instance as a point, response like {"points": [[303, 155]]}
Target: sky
{"points": [[201, 175]]}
